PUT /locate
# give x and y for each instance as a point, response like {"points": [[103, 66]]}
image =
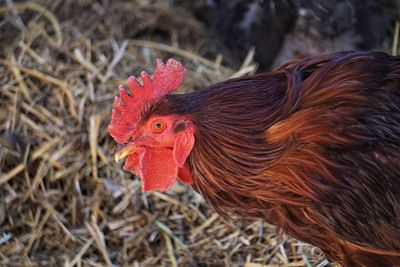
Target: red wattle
{"points": [[158, 169]]}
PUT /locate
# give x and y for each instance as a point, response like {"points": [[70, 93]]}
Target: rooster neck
{"points": [[230, 120], [231, 152]]}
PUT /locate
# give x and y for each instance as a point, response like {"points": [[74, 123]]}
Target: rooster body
{"points": [[312, 147]]}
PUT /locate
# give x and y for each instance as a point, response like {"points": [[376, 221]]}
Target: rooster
{"points": [[312, 147]]}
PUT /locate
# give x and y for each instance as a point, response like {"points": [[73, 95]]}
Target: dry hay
{"points": [[63, 200]]}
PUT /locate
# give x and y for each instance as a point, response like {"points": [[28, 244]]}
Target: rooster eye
{"points": [[158, 126]]}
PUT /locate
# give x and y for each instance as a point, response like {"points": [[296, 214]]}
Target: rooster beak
{"points": [[122, 152]]}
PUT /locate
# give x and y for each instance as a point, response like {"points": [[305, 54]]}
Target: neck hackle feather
{"points": [[309, 147]]}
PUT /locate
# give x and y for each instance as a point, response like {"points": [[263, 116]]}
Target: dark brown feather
{"points": [[313, 147]]}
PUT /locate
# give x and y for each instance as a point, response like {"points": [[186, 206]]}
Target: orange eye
{"points": [[158, 126]]}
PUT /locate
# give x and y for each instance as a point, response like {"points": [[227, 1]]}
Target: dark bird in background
{"points": [[281, 30], [312, 147]]}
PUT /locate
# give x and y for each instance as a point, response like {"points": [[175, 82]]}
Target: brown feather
{"points": [[312, 147]]}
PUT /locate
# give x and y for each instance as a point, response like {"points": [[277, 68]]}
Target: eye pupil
{"points": [[158, 126]]}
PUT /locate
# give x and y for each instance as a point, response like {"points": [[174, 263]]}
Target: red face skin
{"points": [[158, 150]]}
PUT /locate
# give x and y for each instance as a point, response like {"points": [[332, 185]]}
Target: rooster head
{"points": [[155, 147]]}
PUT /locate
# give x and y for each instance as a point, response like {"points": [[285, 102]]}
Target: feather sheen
{"points": [[312, 147]]}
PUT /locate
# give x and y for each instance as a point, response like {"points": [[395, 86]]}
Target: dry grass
{"points": [[63, 200]]}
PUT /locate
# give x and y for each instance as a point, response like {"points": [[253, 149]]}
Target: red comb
{"points": [[128, 108]]}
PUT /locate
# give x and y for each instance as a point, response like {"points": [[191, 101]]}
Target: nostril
{"points": [[134, 137]]}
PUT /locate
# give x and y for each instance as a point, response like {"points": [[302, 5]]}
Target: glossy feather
{"points": [[312, 147]]}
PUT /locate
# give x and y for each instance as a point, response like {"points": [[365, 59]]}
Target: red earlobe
{"points": [[183, 145]]}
